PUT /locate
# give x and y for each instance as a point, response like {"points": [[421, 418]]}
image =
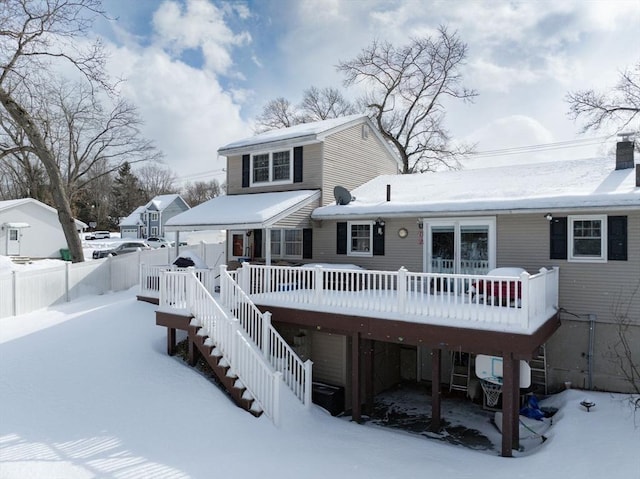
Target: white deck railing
{"points": [[150, 278], [475, 301], [180, 293], [295, 372], [245, 360]]}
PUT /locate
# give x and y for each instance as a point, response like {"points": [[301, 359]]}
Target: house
{"points": [[276, 179], [150, 220], [580, 216], [23, 225], [411, 277], [133, 226]]}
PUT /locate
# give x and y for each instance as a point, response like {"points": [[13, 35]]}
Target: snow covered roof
{"points": [[304, 132], [258, 210], [160, 202], [574, 184], [134, 218], [8, 204]]}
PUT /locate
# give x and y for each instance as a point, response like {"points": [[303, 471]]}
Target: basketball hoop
{"points": [[492, 392]]}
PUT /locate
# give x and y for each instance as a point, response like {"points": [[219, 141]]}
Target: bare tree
{"points": [[201, 191], [624, 352], [35, 37], [322, 104], [278, 113], [156, 180], [317, 104], [619, 106], [406, 88]]}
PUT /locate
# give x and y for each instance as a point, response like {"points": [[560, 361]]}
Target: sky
{"points": [[73, 406], [200, 71]]}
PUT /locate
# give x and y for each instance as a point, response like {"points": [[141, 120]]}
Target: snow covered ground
{"points": [[87, 391]]}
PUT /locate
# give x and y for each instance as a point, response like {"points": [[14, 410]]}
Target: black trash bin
{"points": [[328, 397]]}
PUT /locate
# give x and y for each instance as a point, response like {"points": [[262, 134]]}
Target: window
{"points": [[273, 167], [275, 243], [154, 231], [153, 216], [13, 235], [286, 243], [588, 238], [293, 243], [360, 238]]}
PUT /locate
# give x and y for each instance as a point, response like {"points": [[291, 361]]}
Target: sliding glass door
{"points": [[460, 246]]}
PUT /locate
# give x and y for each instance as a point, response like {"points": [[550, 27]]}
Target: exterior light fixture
{"points": [[548, 217]]}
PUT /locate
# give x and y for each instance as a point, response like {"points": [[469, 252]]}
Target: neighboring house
{"points": [[133, 225], [276, 179], [150, 220], [31, 228]]}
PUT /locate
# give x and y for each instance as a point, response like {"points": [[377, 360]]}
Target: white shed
{"points": [[31, 228]]}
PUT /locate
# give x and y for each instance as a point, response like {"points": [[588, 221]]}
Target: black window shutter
{"points": [[257, 243], [246, 160], [341, 238], [617, 238], [307, 243], [378, 240], [558, 238], [297, 164]]}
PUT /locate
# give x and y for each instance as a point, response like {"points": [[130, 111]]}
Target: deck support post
{"points": [[436, 393], [510, 406], [171, 341], [368, 351], [356, 414]]}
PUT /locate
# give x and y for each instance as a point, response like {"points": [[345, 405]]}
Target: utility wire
{"points": [[541, 147]]}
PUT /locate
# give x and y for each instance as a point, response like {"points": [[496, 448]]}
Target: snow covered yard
{"points": [[87, 390]]}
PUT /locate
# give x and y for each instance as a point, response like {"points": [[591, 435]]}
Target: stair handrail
{"points": [[296, 373], [245, 360]]}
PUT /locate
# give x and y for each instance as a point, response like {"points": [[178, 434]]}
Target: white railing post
{"points": [[308, 382], [277, 382], [224, 286], [524, 297], [402, 289], [245, 277], [318, 284], [266, 334]]}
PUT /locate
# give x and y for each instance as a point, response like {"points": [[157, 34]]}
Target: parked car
{"points": [[156, 242], [122, 248], [98, 235]]}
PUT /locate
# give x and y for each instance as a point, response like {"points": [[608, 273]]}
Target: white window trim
{"points": [[429, 223], [271, 181], [153, 216], [154, 231], [283, 254], [603, 239], [365, 254]]}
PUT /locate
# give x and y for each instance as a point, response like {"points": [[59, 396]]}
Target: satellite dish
{"points": [[342, 195]]}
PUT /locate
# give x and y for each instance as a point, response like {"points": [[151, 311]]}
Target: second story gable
{"points": [[344, 151]]}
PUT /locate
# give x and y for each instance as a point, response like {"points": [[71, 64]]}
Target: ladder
{"points": [[539, 370], [460, 371]]}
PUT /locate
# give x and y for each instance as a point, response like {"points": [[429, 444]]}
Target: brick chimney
{"points": [[624, 152]]}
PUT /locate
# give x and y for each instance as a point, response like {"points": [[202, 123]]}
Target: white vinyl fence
{"points": [[23, 291]]}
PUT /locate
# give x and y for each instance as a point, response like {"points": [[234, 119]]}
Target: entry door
{"points": [[13, 242], [464, 246], [239, 245]]}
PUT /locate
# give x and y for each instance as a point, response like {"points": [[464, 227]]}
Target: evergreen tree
{"points": [[126, 194]]}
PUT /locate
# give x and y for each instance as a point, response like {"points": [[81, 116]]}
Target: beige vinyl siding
{"points": [[350, 160], [585, 288], [311, 173], [299, 219], [399, 252]]}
